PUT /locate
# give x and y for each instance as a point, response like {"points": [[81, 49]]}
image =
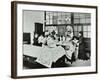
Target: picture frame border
{"points": [[14, 37]]}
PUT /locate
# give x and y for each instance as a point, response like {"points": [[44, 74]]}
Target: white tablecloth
{"points": [[45, 55], [49, 55]]}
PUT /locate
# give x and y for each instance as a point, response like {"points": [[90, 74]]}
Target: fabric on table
{"points": [[49, 55], [69, 48]]}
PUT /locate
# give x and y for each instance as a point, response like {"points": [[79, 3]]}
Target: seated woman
{"points": [[68, 41], [82, 53], [44, 40], [40, 39], [69, 46], [35, 40], [68, 33], [75, 42]]}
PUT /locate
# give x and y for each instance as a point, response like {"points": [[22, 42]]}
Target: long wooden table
{"points": [[46, 55]]}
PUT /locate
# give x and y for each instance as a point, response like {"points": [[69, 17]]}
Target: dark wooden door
{"points": [[38, 28]]}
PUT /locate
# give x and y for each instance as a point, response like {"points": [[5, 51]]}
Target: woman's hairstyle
{"points": [[46, 33], [75, 37], [81, 33], [69, 28], [53, 32]]}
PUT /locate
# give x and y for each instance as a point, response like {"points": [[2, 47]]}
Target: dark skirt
{"points": [[82, 53]]}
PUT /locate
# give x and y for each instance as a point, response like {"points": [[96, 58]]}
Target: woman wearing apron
{"points": [[81, 54]]}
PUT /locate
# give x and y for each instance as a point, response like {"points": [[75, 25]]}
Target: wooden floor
{"points": [[77, 63]]}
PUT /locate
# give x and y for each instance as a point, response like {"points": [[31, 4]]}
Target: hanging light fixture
{"points": [[67, 19]]}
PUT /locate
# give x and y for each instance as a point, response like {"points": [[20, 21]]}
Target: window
{"points": [[86, 31], [57, 18], [79, 21], [83, 23]]}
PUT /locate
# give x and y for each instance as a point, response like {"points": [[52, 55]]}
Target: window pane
{"points": [[79, 28], [76, 20], [85, 28], [51, 15], [75, 28], [55, 13], [54, 20], [85, 34], [89, 34], [89, 28], [59, 19], [50, 21], [76, 15], [67, 14], [47, 21], [82, 20], [47, 16], [75, 33], [88, 20], [68, 20], [82, 15], [63, 21], [88, 15]]}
